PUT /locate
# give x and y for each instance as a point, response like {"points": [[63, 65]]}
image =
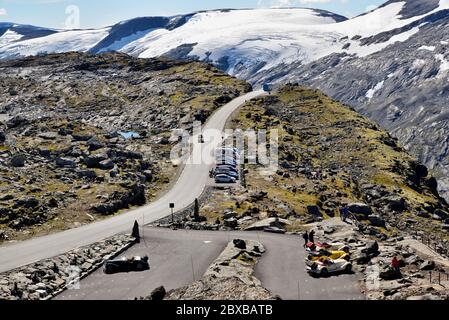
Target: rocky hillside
{"points": [[391, 64], [404, 88], [329, 156], [84, 136]]}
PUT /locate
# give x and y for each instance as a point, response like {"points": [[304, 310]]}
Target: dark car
{"points": [[227, 168], [126, 265], [230, 173], [229, 162]]}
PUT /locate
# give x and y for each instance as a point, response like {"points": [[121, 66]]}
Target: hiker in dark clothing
{"points": [[305, 236], [344, 213], [312, 236]]}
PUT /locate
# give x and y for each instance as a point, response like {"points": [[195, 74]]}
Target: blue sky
{"points": [[99, 13]]}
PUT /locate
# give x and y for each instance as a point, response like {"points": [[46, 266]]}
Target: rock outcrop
{"points": [[230, 277]]}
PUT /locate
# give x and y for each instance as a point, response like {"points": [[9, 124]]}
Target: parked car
{"points": [[227, 152], [325, 267], [126, 265], [226, 159], [227, 162], [230, 173], [324, 254], [227, 167], [223, 178], [335, 246]]}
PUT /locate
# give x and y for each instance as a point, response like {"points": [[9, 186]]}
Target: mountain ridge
{"points": [[300, 45]]}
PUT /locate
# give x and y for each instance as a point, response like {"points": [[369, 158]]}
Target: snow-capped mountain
{"points": [[391, 64]]}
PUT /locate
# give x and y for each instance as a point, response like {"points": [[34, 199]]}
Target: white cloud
{"points": [[3, 12]]}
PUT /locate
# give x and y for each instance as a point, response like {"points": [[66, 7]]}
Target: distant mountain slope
{"points": [[391, 64]]}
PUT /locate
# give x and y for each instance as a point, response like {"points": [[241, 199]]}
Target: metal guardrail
{"points": [[437, 277]]}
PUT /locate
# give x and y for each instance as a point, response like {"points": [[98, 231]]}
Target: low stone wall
{"points": [[45, 279]]}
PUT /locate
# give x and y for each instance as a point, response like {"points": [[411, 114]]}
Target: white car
{"points": [[326, 267]]}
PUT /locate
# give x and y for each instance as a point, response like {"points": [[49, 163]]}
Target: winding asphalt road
{"points": [[177, 258], [189, 186]]}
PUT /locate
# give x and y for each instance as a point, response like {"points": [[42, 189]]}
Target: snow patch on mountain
{"points": [[8, 37], [428, 48], [444, 63], [73, 40], [370, 94]]}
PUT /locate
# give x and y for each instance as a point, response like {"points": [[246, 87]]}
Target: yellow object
{"points": [[335, 255]]}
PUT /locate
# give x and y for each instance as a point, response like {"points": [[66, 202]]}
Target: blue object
{"points": [[129, 134], [266, 87]]}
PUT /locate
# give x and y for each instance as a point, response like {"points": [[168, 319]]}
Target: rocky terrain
{"points": [[391, 63], [423, 273], [45, 279], [404, 88], [85, 136], [229, 277], [329, 156]]}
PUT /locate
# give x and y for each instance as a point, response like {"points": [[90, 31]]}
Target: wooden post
{"points": [[172, 207], [196, 210]]}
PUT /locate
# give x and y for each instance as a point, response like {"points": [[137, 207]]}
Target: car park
{"points": [[126, 265], [226, 168]]}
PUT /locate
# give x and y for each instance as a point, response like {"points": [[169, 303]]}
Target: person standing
{"points": [[395, 264], [312, 236], [344, 213], [305, 236]]}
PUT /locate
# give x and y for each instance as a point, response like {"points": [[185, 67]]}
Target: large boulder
{"points": [[87, 174], [268, 223], [360, 208], [240, 244], [65, 163], [442, 214], [396, 203], [158, 294], [93, 161], [18, 160], [94, 144], [427, 265], [106, 164], [376, 220], [371, 248], [106, 208], [390, 274], [315, 212]]}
